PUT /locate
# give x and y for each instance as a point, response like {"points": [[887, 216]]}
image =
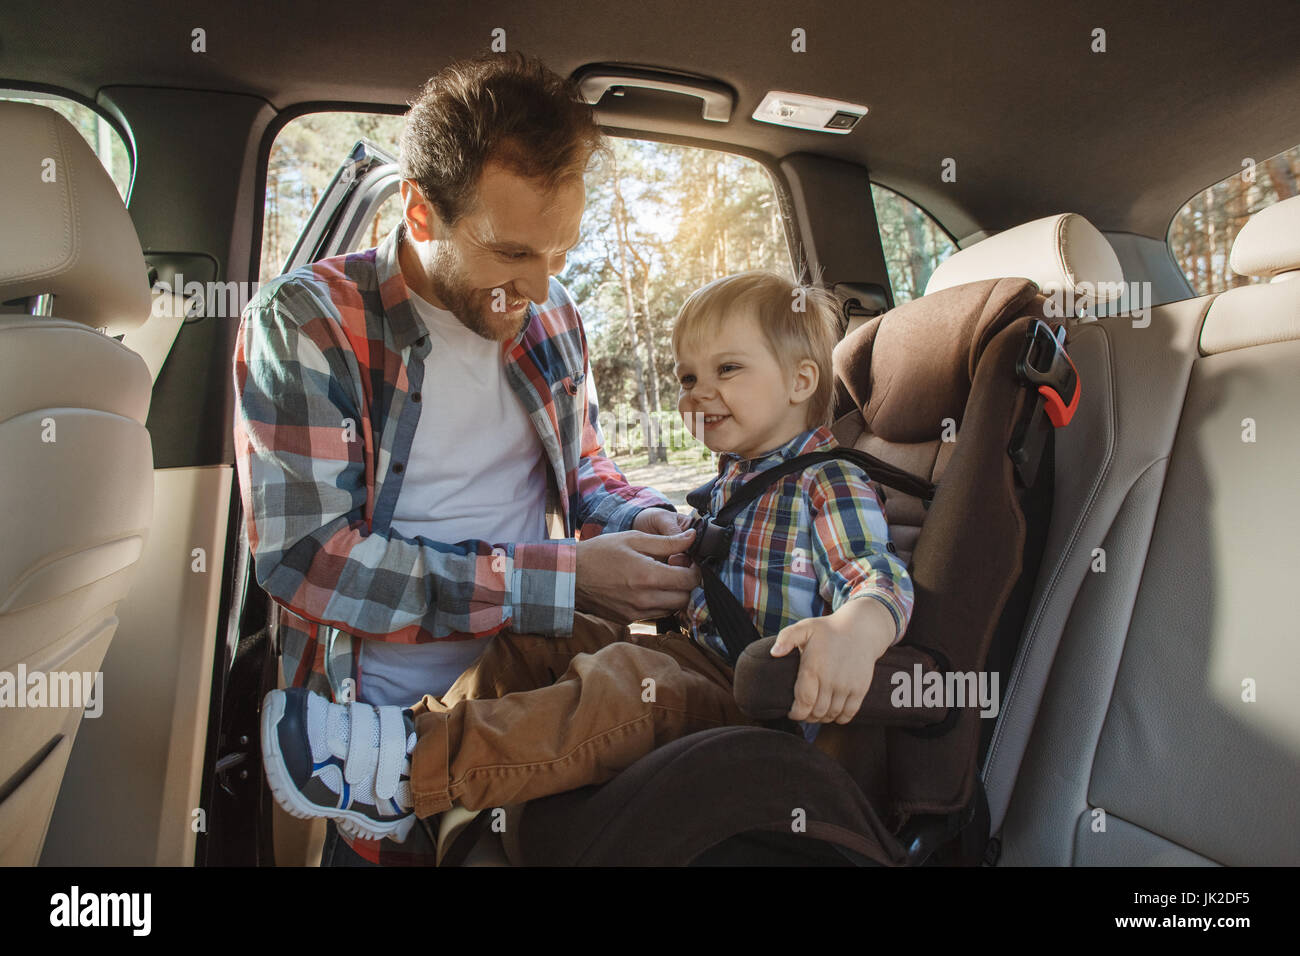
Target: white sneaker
{"points": [[347, 762]]}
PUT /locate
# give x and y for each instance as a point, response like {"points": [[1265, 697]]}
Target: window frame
{"points": [[956, 246], [110, 116], [263, 165], [1169, 226], [784, 199]]}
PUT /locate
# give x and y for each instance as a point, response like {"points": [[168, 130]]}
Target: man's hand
{"points": [[665, 522], [838, 657], [628, 576]]}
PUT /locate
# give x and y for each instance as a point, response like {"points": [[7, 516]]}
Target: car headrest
{"points": [[66, 231], [1269, 243], [911, 368], [1062, 254], [1263, 313]]}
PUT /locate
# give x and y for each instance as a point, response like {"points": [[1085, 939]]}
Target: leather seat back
{"points": [[1152, 717], [76, 463]]}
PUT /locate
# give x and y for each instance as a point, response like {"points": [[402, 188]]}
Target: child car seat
{"points": [[997, 368], [959, 389]]}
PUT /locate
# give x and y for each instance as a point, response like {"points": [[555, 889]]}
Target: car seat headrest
{"points": [[1268, 246], [1063, 254], [66, 231], [1269, 243], [912, 367]]}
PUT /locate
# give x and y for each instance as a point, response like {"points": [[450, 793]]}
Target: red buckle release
{"points": [[1057, 411], [1046, 364]]}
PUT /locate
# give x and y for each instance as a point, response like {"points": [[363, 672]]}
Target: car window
{"points": [[102, 136], [914, 243], [660, 221], [304, 158], [1201, 234]]}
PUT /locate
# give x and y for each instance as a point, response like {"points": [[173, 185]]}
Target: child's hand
{"points": [[839, 654]]}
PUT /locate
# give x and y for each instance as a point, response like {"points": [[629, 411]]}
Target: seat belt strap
{"points": [[1048, 372], [153, 340]]}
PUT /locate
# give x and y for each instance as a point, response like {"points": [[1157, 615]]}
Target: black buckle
{"points": [[1045, 364], [712, 541], [1049, 371]]}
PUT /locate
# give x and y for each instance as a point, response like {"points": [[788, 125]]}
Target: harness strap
{"points": [[713, 535], [876, 469], [733, 622]]}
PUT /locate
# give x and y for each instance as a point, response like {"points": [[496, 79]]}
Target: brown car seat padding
{"points": [[914, 366], [948, 356], [764, 686]]}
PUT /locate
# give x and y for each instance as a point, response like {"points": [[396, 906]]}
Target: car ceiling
{"points": [[1037, 123]]}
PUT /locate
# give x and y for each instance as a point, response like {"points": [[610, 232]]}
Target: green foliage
{"points": [[913, 242], [306, 154]]}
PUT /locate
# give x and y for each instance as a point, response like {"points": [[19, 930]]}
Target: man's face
{"points": [[734, 394], [488, 266]]}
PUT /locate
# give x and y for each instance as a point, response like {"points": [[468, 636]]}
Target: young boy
{"points": [[810, 560]]}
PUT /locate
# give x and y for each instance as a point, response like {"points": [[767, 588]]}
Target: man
{"points": [[411, 418]]}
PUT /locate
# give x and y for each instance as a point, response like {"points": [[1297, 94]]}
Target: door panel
{"points": [[342, 221], [134, 778]]}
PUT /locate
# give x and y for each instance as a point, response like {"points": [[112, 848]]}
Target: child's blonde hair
{"points": [[798, 322]]}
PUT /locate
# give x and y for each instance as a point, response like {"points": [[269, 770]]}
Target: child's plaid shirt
{"points": [[811, 542]]}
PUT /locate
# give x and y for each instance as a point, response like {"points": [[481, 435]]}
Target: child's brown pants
{"points": [[539, 715]]}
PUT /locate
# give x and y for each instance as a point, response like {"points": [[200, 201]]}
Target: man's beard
{"points": [[458, 298]]}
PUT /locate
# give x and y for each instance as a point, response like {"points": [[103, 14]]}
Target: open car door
{"points": [[240, 809]]}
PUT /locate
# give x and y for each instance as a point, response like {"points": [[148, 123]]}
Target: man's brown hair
{"points": [[505, 107]]}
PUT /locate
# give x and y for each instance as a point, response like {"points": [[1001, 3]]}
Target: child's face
{"points": [[733, 374]]}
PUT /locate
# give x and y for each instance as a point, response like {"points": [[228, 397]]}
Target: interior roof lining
{"points": [[1125, 143]]}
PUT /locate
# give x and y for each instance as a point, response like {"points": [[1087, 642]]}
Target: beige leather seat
{"points": [[1151, 717], [76, 464]]}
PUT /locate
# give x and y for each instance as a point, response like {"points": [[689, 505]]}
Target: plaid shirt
{"points": [[329, 367], [811, 542]]}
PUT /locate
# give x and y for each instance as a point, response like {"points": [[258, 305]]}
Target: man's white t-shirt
{"points": [[477, 470]]}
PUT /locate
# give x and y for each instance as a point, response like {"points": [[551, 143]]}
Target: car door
{"points": [[364, 182], [361, 198]]}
